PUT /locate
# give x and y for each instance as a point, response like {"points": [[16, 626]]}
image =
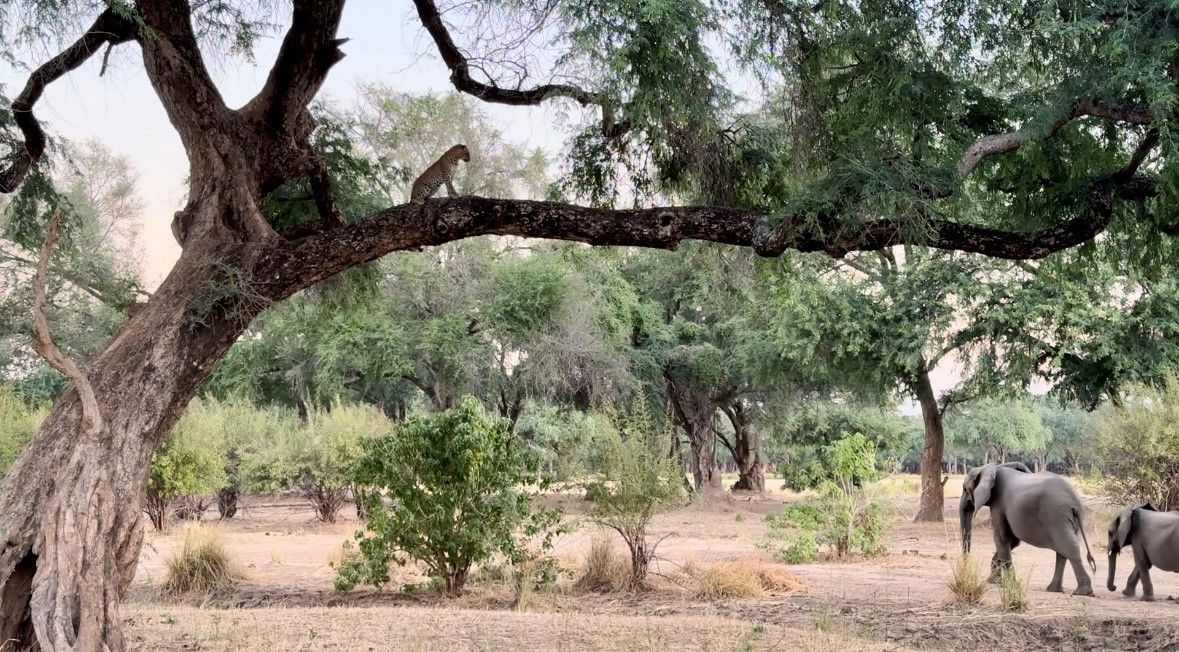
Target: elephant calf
{"points": [[1041, 509], [1154, 538]]}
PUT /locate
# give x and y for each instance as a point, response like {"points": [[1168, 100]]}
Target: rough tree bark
{"points": [[70, 506], [746, 449], [932, 503], [694, 413]]}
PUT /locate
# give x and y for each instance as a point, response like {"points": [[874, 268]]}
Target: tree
{"points": [[1138, 447], [994, 431], [636, 481], [188, 464], [902, 139]]}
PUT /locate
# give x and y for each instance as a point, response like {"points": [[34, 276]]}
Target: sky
{"points": [[387, 44], [121, 109]]}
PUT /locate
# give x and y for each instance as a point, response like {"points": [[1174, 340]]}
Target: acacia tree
{"points": [[70, 504]]}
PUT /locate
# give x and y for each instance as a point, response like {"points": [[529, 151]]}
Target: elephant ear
{"points": [[1125, 527], [986, 482], [1018, 466]]}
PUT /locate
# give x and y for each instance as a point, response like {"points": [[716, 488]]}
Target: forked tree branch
{"points": [[43, 342], [308, 52], [109, 28], [460, 76], [992, 145]]}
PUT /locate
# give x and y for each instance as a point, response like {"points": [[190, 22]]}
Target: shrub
{"points": [[798, 445], [1013, 591], [967, 583], [455, 481], [1138, 447], [742, 578], [604, 570], [17, 424], [318, 459], [201, 565], [636, 481], [840, 517], [188, 464]]}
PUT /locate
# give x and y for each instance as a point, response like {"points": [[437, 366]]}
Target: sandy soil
{"points": [[895, 602]]}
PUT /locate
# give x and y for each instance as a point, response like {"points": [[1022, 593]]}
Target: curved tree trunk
{"points": [[747, 452], [932, 502], [70, 506]]}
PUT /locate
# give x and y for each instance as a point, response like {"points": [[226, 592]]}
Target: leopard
{"points": [[440, 173]]}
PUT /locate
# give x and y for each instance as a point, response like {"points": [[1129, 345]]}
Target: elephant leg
{"points": [[1001, 560], [1084, 583], [1057, 584], [1143, 568], [1131, 583]]}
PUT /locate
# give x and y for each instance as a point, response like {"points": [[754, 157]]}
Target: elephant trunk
{"points": [[1113, 564], [966, 518]]}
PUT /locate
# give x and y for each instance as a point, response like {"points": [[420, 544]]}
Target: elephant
{"points": [[1154, 539], [1041, 509]]}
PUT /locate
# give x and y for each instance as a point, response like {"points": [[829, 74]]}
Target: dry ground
{"points": [[896, 602]]}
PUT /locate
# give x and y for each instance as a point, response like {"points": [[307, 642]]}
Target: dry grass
{"points": [[604, 570], [459, 630], [967, 583], [742, 578], [1013, 591], [201, 565]]}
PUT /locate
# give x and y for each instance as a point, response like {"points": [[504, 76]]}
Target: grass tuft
{"points": [[742, 578], [604, 570], [201, 565], [1013, 591], [967, 583]]}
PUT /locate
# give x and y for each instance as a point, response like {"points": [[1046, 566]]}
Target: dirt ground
{"points": [[895, 602]]}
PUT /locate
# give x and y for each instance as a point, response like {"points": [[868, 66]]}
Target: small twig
{"points": [[106, 58], [43, 342]]}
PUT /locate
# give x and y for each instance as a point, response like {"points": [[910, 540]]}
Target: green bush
{"points": [[1138, 447], [317, 459], [188, 464], [18, 423], [840, 517], [455, 483], [800, 444], [636, 480]]}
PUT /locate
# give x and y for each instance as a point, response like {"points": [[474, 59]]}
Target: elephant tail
{"points": [[1081, 526]]}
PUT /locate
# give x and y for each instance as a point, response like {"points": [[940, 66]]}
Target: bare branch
{"points": [[108, 28], [460, 76], [43, 342], [995, 144]]}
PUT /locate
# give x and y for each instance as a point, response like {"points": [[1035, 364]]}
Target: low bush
{"points": [[840, 517], [201, 565], [17, 424], [1138, 447], [455, 482], [742, 578]]}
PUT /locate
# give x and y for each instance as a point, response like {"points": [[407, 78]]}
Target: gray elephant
{"points": [[1041, 509], [1154, 538]]}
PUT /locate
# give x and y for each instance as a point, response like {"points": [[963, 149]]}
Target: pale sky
{"points": [[121, 109]]}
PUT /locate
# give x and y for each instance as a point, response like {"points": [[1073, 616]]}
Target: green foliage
{"points": [[562, 439], [800, 446], [455, 482], [317, 459], [1138, 447], [189, 463], [635, 481], [841, 516], [18, 423], [997, 430]]}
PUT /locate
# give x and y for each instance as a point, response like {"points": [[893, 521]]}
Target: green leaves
{"points": [[455, 480]]}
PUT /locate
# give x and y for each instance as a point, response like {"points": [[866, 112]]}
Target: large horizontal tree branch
{"points": [[108, 28], [987, 146], [460, 76], [304, 262]]}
